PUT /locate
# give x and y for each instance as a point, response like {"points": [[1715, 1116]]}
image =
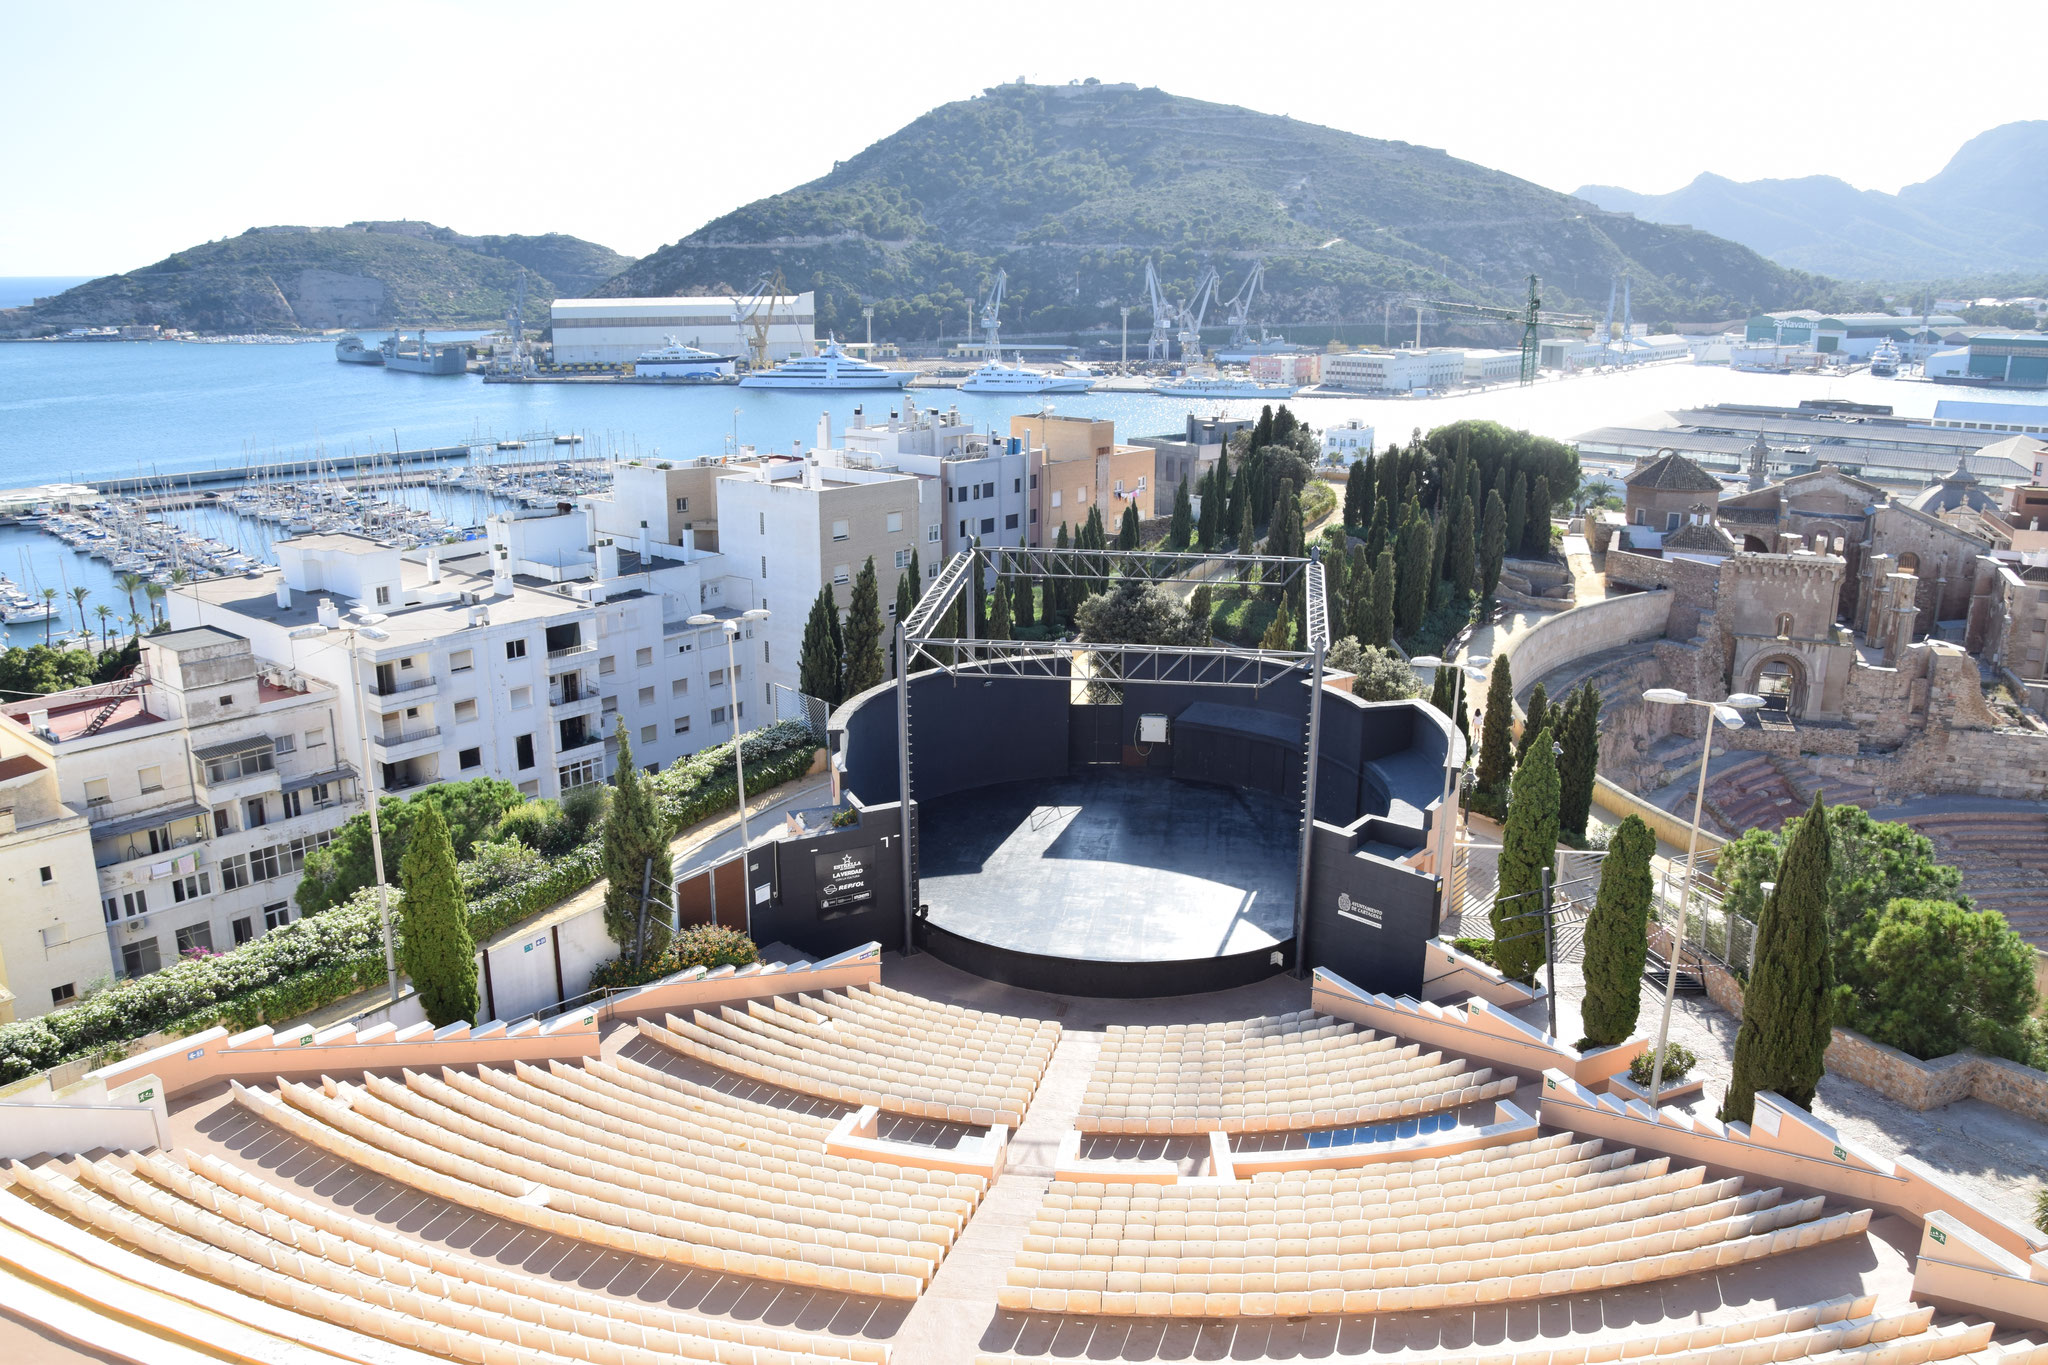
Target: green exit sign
{"points": [[1938, 1235]]}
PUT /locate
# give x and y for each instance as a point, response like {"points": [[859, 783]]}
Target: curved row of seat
{"points": [[1544, 1217], [247, 1235], [899, 1052], [1274, 1073]]}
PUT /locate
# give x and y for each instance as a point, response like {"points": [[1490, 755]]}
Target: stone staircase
{"points": [[1752, 794], [1835, 791], [2003, 856]]}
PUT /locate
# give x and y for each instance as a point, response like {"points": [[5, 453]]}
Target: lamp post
{"points": [[1728, 713], [1474, 666], [739, 768], [370, 630]]}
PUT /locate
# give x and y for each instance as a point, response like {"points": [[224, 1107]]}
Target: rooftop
{"points": [[1674, 473]]}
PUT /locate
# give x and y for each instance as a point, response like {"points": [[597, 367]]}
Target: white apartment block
{"points": [[206, 778], [52, 947], [984, 477]]}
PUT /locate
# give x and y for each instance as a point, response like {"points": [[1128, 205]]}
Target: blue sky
{"points": [[136, 129]]}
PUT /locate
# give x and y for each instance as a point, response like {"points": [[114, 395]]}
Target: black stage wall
{"points": [[835, 890], [964, 732]]}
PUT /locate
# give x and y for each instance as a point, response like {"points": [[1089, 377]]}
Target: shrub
{"points": [[1481, 948], [2041, 1208], [497, 864], [1678, 1059], [701, 945]]}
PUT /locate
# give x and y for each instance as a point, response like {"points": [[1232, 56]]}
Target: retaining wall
{"points": [[1558, 640]]}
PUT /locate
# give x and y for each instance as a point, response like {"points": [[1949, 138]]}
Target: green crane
{"points": [[1531, 316]]}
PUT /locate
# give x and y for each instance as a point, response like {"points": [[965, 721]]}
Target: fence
{"points": [[802, 707]]}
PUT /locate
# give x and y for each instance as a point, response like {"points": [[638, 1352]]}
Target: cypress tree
{"points": [[1787, 1008], [1382, 602], [1060, 602], [1280, 634], [977, 595], [633, 833], [1493, 544], [818, 663], [1358, 616], [1463, 556], [999, 624], [438, 952], [1219, 484], [1518, 511], [1210, 523], [1376, 531], [1357, 493], [1617, 936], [1528, 849], [864, 633], [1440, 684], [1097, 539], [1181, 530], [1439, 551], [1538, 719], [1262, 434], [1200, 611], [1127, 532], [1411, 597], [1027, 603], [1496, 745], [906, 602], [1536, 531], [1247, 531], [1579, 764]]}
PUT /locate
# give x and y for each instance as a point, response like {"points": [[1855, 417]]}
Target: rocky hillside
{"points": [[1071, 188], [363, 275], [1986, 212]]}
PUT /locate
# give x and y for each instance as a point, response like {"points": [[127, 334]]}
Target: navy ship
{"points": [[351, 351], [420, 356]]}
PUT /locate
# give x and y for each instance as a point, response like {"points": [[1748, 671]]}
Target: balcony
{"points": [[591, 739], [396, 746], [571, 700], [412, 689], [569, 651]]}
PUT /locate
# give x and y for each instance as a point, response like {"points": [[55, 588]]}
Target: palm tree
{"points": [[128, 583], [78, 596], [156, 593], [136, 623], [49, 599], [103, 611]]}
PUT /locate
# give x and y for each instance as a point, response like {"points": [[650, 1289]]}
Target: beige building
{"points": [[675, 502], [1081, 464], [1660, 492], [51, 946]]}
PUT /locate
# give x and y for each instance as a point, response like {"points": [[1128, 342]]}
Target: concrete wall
{"points": [[129, 1112], [1571, 635], [1963, 1272]]}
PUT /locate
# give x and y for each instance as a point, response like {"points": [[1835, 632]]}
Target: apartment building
{"points": [[984, 477], [52, 947], [676, 502], [205, 778], [794, 524], [1078, 463]]}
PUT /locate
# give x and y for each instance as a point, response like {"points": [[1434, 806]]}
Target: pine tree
{"points": [[1411, 594], [1280, 634], [1617, 936], [1493, 544], [999, 623], [438, 952], [1382, 602], [1578, 766], [1357, 493], [818, 658], [1787, 1008], [1536, 531], [1496, 744], [1127, 533], [1181, 530], [1200, 611], [864, 633], [633, 833], [1463, 556], [1538, 718], [1517, 526], [1528, 849]]}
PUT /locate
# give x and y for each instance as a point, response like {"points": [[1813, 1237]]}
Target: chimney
{"points": [[284, 593], [433, 564], [501, 583], [824, 431], [689, 542], [646, 547], [328, 615], [39, 721], [607, 561]]}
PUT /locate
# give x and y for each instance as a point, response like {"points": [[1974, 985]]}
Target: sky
{"points": [[133, 130]]}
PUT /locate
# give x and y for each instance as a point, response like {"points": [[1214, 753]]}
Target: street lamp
{"points": [[1728, 713], [370, 630], [732, 680], [1475, 667]]}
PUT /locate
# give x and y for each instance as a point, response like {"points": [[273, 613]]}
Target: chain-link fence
{"points": [[1711, 929], [791, 704]]}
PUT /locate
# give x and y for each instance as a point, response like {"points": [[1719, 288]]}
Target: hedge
{"points": [[322, 958]]}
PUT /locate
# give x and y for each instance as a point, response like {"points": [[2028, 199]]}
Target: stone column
{"points": [[1901, 589], [1877, 572]]}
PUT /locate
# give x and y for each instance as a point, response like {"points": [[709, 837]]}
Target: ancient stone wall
{"points": [[1558, 640], [1695, 587]]}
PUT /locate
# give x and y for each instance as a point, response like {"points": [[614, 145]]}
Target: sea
{"points": [[83, 411]]}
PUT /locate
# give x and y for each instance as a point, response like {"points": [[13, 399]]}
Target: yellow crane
{"points": [[756, 312]]}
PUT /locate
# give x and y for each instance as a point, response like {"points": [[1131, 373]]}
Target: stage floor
{"points": [[1113, 866]]}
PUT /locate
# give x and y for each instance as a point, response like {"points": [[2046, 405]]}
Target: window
{"points": [[647, 734], [1671, 520], [647, 696], [150, 779], [1034, 516], [644, 658], [765, 657], [243, 929], [716, 678], [96, 793], [988, 490], [1010, 522], [515, 649], [682, 504], [1081, 494], [903, 559], [283, 744], [263, 864], [738, 669], [133, 903], [192, 888], [762, 528], [293, 803], [139, 959], [470, 758], [1016, 485], [679, 688], [840, 575], [931, 532], [608, 664], [462, 660], [931, 571], [963, 528], [895, 521], [322, 794], [522, 697], [47, 873], [277, 915], [316, 739], [739, 711], [764, 566], [245, 764], [234, 872], [522, 749], [64, 994], [1034, 483], [682, 725], [988, 525], [227, 699], [1119, 487], [1055, 497], [252, 813], [1642, 518], [587, 773], [839, 531], [465, 710]]}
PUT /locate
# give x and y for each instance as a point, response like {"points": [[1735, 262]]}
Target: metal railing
{"points": [[393, 689], [567, 650], [404, 737]]}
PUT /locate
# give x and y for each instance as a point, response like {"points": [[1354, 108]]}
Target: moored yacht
{"points": [[677, 361], [831, 368], [1220, 386], [996, 377]]}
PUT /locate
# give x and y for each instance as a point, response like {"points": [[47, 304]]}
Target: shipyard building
{"points": [[618, 331]]}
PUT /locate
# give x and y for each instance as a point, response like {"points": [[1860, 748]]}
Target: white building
{"points": [[1402, 371], [617, 331], [1351, 441], [206, 779], [984, 478], [1492, 367], [52, 948]]}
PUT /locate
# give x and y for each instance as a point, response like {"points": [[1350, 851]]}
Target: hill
{"points": [[1071, 188], [1986, 211], [363, 275]]}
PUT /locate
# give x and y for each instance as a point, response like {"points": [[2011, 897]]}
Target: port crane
{"points": [[756, 312], [1240, 306], [1191, 316], [1158, 346], [991, 315], [1532, 316]]}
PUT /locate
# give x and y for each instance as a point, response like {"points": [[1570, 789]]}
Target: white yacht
{"points": [[677, 361], [831, 368], [1220, 386], [996, 377]]}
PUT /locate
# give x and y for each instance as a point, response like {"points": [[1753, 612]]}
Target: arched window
{"points": [[1774, 685], [1784, 624], [1909, 563]]}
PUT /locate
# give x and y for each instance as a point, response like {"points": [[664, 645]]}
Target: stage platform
{"points": [[1113, 882]]}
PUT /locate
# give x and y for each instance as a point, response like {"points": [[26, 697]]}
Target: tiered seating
{"points": [[1280, 1072], [899, 1052], [1546, 1217], [2003, 856], [234, 1229], [625, 1156], [1841, 1331], [1751, 794]]}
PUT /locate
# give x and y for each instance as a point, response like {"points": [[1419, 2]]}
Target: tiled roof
{"points": [[1674, 473]]}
